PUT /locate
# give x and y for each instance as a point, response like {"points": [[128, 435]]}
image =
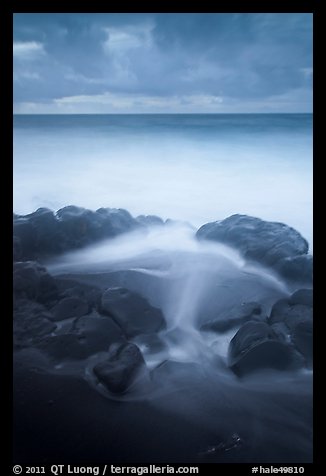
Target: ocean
{"points": [[193, 167]]}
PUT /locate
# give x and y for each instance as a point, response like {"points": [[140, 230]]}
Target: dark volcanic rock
{"points": [[24, 231], [270, 243], [17, 249], [150, 220], [256, 346], [122, 367], [31, 322], [297, 268], [302, 338], [31, 280], [236, 316], [73, 288], [302, 296], [88, 335], [294, 317], [43, 233], [69, 307], [97, 333], [131, 312]]}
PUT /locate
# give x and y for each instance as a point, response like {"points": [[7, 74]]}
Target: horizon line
{"points": [[148, 113]]}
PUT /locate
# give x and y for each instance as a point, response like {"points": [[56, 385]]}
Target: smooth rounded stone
{"points": [[266, 242], [302, 296], [256, 346], [97, 333], [237, 315], [131, 312], [32, 281], [120, 370], [69, 307]]}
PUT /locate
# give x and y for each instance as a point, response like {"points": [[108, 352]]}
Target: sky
{"points": [[93, 63]]}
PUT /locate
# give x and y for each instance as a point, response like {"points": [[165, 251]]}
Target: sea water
{"points": [[192, 167]]}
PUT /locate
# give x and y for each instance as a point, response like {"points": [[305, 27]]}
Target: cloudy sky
{"points": [[169, 63]]}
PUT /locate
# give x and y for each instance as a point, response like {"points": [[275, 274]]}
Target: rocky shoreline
{"points": [[78, 337]]}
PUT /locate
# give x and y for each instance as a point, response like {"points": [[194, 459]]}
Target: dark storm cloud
{"points": [[162, 62]]}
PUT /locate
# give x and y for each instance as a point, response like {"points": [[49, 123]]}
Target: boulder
{"points": [[302, 338], [24, 233], [97, 333], [120, 370], [31, 322], [17, 249], [43, 233], [73, 288], [32, 281], [295, 317], [236, 316], [256, 346], [270, 243], [302, 296], [69, 307], [131, 312], [149, 220], [298, 268], [290, 315]]}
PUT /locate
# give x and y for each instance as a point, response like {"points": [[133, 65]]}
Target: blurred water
{"points": [[197, 168]]}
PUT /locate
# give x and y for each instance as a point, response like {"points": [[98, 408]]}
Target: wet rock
{"points": [[296, 321], [131, 312], [235, 317], [120, 370], [302, 338], [302, 296], [43, 233], [270, 243], [31, 280], [69, 307], [149, 220], [290, 315], [97, 333], [298, 268], [256, 346], [31, 322], [24, 231], [73, 288], [17, 249]]}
